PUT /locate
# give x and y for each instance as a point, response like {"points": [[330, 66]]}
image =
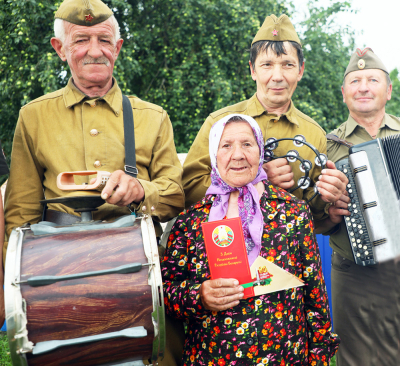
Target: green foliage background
{"points": [[189, 56]]}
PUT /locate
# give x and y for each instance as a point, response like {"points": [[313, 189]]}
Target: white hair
{"points": [[59, 28]]}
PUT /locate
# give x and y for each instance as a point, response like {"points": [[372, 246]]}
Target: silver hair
{"points": [[59, 29]]}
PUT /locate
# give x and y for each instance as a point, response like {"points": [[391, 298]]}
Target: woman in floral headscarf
{"points": [[288, 327]]}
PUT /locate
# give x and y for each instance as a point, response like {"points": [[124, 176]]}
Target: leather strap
{"points": [[129, 134], [61, 218], [332, 137]]}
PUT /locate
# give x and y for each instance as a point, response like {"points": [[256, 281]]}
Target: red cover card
{"points": [[226, 251]]}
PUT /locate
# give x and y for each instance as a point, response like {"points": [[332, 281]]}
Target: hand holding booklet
{"points": [[227, 258]]}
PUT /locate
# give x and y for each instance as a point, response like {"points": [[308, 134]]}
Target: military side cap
{"points": [[277, 29], [83, 12], [363, 60]]}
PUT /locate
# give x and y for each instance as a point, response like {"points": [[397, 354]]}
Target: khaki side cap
{"points": [[277, 29], [83, 12], [364, 60]]}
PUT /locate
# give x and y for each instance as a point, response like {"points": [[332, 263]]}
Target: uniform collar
{"points": [[387, 121], [271, 192], [255, 109], [72, 96]]}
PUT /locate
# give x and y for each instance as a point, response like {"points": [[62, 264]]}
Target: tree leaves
{"points": [[189, 56]]}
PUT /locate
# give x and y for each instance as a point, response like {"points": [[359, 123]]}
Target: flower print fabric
{"points": [[248, 201], [290, 327]]}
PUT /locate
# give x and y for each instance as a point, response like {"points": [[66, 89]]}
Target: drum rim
{"points": [[155, 282], [14, 302]]}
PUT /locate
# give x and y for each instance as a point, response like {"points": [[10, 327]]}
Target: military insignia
{"points": [[361, 53], [361, 63], [88, 18], [274, 32]]}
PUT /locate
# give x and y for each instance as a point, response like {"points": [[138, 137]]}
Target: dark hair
{"points": [[277, 47]]}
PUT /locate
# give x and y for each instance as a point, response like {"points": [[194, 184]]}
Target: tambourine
{"points": [[292, 156]]}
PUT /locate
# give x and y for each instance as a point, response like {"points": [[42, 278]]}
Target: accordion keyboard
{"points": [[356, 227]]}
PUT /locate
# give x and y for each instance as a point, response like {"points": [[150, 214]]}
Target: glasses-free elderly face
{"points": [[91, 53], [366, 91], [238, 154]]}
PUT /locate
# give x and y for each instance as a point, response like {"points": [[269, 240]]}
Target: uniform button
{"points": [[93, 105], [152, 208], [97, 164], [250, 341], [94, 132], [144, 208], [248, 309]]}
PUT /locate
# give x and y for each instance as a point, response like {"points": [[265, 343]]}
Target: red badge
{"points": [[88, 18], [274, 32]]}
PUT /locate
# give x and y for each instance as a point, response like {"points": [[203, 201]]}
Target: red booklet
{"points": [[226, 251]]}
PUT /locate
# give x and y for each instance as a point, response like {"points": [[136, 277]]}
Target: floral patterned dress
{"points": [[289, 327]]}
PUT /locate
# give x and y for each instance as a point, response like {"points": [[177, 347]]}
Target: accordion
{"points": [[373, 170]]}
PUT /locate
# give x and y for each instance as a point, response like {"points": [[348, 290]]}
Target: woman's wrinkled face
{"points": [[238, 154]]}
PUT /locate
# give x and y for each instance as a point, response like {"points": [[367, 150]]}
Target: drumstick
{"points": [[48, 280]]}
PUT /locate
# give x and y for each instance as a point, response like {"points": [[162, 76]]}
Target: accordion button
{"points": [[361, 231], [366, 252]]}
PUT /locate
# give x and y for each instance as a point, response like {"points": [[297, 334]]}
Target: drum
{"points": [[84, 295]]}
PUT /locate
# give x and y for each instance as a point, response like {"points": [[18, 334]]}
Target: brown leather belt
{"points": [[61, 218]]}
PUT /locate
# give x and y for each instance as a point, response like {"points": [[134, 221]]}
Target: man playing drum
{"points": [[80, 128]]}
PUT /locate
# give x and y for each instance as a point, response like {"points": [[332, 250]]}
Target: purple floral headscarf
{"points": [[249, 200]]}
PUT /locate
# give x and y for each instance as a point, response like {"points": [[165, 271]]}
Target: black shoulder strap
{"points": [[129, 133], [333, 137]]}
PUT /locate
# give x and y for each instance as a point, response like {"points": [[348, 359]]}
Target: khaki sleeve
{"points": [[164, 191], [317, 205], [197, 167], [24, 187]]}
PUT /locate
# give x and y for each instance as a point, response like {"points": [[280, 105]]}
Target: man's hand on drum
{"points": [[122, 189], [221, 294], [279, 173], [331, 183]]}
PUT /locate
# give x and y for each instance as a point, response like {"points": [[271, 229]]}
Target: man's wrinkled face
{"points": [[276, 77], [91, 53], [366, 91]]}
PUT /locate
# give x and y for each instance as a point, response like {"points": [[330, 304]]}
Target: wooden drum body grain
{"points": [[97, 318]]}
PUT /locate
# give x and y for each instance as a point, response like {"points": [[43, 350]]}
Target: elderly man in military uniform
{"points": [[366, 300], [277, 65], [80, 128]]}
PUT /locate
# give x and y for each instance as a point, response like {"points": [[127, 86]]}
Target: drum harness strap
{"points": [[63, 218]]}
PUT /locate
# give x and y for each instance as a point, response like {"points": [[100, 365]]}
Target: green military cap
{"points": [[277, 29], [364, 59], [83, 12]]}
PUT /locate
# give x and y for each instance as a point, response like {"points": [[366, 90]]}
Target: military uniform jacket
{"points": [[356, 134], [67, 131], [197, 167]]}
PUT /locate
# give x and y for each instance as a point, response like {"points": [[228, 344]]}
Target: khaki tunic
{"points": [[196, 169], [356, 134], [53, 136]]}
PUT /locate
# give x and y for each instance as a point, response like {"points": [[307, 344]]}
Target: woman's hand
{"points": [[221, 294]]}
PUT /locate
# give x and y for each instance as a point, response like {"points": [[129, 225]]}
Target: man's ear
{"points": [[59, 48], [253, 73], [344, 99], [389, 92], [301, 73]]}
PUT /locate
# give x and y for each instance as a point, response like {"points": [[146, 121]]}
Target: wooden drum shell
{"points": [[92, 305]]}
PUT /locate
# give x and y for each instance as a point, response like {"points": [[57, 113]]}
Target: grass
{"points": [[5, 359]]}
